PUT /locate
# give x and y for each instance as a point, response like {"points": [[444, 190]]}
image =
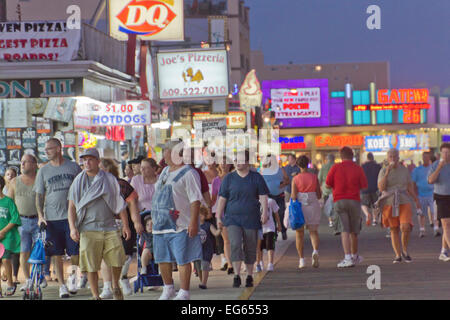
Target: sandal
{"points": [[11, 290]]}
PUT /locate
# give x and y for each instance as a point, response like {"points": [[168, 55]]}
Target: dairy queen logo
{"points": [[145, 17]]}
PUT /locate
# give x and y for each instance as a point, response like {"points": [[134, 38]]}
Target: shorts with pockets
{"points": [[349, 212], [29, 232], [176, 247], [405, 216]]}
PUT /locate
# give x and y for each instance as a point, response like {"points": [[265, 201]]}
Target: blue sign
{"points": [[378, 143], [446, 138], [291, 140]]}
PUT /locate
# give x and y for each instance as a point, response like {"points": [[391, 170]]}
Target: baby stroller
{"points": [[152, 278], [37, 258]]}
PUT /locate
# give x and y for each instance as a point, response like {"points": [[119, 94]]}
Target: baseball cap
{"points": [[90, 152]]}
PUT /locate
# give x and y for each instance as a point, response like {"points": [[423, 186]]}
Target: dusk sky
{"points": [[414, 36]]}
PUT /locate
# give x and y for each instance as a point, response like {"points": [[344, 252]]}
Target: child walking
{"points": [[207, 234], [268, 237], [9, 235]]}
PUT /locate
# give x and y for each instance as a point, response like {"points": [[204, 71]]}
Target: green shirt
{"points": [[9, 214], [323, 177]]}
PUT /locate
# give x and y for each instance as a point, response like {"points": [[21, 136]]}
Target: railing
{"points": [[98, 46]]}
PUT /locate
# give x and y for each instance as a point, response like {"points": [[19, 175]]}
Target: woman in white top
{"points": [[144, 184]]}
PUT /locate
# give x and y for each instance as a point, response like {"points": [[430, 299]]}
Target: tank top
{"points": [[306, 182], [25, 198]]}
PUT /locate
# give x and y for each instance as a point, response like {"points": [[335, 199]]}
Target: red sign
{"points": [[379, 107], [293, 146], [339, 141], [411, 116], [398, 96], [146, 17]]}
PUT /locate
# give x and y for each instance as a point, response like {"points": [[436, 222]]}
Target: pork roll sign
{"points": [[37, 41], [161, 20]]}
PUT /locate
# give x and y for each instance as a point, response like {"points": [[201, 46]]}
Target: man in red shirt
{"points": [[347, 179]]}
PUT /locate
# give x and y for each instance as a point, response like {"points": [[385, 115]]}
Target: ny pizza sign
{"points": [[161, 20]]}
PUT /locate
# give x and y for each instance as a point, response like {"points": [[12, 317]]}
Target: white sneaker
{"points": [[83, 282], [63, 292], [315, 260], [270, 267], [26, 285], [168, 293], [358, 259], [182, 295], [144, 270], [126, 288], [346, 263], [72, 283], [44, 283], [444, 257], [106, 293], [301, 263]]}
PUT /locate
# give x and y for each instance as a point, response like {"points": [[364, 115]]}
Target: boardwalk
{"points": [[425, 278]]}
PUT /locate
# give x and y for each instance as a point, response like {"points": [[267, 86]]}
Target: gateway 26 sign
{"points": [[161, 20]]}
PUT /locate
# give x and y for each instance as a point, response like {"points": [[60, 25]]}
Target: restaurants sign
{"points": [[161, 20], [190, 75]]}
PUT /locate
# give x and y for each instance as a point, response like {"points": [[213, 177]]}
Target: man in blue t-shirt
{"points": [[239, 198], [425, 191]]}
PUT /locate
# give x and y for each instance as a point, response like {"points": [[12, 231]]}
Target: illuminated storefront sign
{"points": [[196, 74], [378, 143], [399, 96], [149, 19], [292, 143], [339, 141], [296, 103], [379, 107], [402, 142], [446, 138], [235, 120]]}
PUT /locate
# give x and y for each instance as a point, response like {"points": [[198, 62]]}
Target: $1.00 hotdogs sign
{"points": [[161, 20]]}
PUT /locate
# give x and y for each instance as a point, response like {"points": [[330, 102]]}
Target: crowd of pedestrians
{"points": [[194, 210]]}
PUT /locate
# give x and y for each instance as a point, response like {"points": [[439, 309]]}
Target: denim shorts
{"points": [[58, 232], [425, 203], [29, 232], [176, 247]]}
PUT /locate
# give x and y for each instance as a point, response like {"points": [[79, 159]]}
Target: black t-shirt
{"points": [[125, 191], [371, 170]]}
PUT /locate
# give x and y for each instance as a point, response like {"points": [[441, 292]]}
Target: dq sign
{"points": [[149, 19]]}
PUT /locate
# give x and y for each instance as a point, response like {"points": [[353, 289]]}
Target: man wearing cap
{"points": [[94, 201], [175, 216], [52, 185]]}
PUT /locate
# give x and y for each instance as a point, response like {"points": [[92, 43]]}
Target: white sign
{"points": [[38, 41], [161, 20], [250, 95], [127, 113], [191, 75], [296, 103], [16, 115]]}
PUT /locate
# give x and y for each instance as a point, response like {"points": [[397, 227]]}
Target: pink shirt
{"points": [[305, 182], [145, 192]]}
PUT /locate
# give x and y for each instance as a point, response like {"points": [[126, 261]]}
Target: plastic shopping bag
{"points": [[296, 219]]}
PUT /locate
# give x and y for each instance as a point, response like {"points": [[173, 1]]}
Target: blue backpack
{"points": [[164, 213]]}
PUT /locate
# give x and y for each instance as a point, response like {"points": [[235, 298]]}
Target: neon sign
{"points": [[292, 143], [399, 96], [401, 142], [379, 107], [339, 141]]}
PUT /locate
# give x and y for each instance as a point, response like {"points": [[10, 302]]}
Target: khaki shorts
{"points": [[349, 212], [98, 245]]}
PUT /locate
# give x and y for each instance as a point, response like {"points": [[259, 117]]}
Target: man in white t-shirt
{"points": [[175, 216], [268, 236]]}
